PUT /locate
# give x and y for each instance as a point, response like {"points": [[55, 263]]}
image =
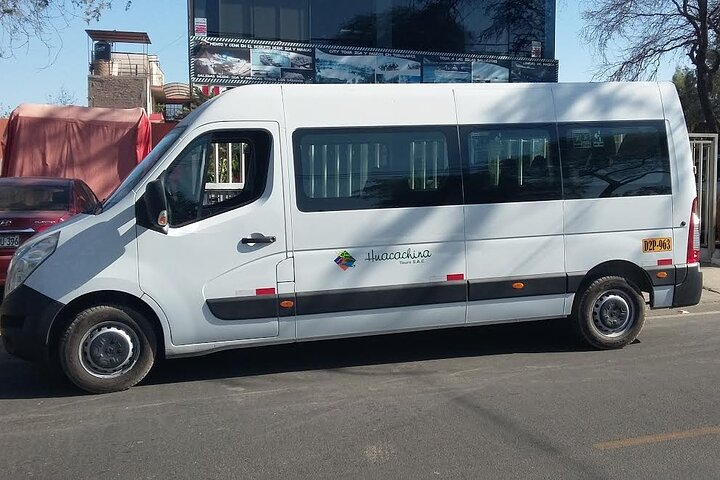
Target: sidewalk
{"points": [[711, 283]]}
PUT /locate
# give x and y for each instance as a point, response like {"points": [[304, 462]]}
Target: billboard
{"points": [[229, 62]]}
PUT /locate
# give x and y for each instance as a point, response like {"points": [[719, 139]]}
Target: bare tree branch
{"points": [[23, 21], [642, 34]]}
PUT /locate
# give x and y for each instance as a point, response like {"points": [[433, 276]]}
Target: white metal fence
{"points": [[705, 154]]}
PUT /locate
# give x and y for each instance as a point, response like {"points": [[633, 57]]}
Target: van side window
{"points": [[515, 163], [614, 159], [216, 173], [364, 168]]}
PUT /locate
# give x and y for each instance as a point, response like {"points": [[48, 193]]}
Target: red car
{"points": [[29, 205]]}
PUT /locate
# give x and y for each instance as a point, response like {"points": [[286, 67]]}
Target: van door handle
{"points": [[261, 239]]}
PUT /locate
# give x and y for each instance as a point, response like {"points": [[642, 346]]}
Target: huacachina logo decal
{"points": [[344, 260], [405, 257]]}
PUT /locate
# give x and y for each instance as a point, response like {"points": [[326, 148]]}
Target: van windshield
{"points": [[143, 167]]}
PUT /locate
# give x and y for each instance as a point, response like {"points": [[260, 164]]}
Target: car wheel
{"points": [[609, 313], [107, 348]]}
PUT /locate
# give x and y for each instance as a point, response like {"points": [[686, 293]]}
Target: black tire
{"points": [[609, 313], [107, 348]]}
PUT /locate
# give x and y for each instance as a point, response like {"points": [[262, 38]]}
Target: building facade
{"points": [[131, 79], [236, 42]]}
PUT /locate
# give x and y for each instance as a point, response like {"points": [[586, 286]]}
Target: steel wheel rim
{"points": [[613, 313], [109, 350]]}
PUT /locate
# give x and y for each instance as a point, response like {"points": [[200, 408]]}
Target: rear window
{"points": [[34, 197], [615, 159]]}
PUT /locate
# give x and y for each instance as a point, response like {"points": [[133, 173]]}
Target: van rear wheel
{"points": [[107, 348], [609, 313]]}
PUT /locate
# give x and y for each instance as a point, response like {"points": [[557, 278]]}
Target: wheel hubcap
{"points": [[109, 350], [613, 313]]}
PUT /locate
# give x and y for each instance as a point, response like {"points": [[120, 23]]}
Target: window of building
{"points": [[347, 169], [280, 19], [515, 163], [617, 159], [346, 22], [286, 20], [173, 110], [217, 173]]}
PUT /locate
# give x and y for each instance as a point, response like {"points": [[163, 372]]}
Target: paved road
{"points": [[492, 402]]}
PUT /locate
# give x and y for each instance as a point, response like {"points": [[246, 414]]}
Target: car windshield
{"points": [[20, 198], [143, 167]]}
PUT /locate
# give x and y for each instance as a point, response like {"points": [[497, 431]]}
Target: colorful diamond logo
{"points": [[344, 260]]}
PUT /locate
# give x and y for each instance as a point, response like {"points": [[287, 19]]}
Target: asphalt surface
{"points": [[512, 401]]}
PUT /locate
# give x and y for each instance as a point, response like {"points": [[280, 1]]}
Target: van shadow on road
{"points": [[24, 380]]}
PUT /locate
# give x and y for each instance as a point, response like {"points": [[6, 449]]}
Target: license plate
{"points": [[9, 241], [661, 244]]}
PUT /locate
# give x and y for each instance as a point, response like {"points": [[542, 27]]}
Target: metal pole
{"points": [[712, 194]]}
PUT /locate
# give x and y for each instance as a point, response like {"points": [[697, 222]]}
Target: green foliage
{"points": [[197, 99], [219, 158], [685, 81]]}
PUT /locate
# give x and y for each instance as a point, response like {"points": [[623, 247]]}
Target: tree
{"points": [[686, 85], [648, 32], [521, 21], [62, 97], [197, 98], [24, 20], [5, 110]]}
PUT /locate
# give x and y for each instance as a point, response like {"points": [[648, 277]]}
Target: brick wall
{"points": [[117, 92]]}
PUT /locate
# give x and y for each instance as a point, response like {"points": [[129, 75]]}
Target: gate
{"points": [[705, 154]]}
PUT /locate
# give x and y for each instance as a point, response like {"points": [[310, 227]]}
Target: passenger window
{"points": [[511, 164], [618, 159], [217, 173], [366, 168]]}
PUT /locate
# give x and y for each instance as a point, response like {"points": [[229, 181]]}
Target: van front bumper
{"points": [[26, 316], [688, 286]]}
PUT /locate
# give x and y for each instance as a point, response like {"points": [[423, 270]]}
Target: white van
{"points": [[297, 212]]}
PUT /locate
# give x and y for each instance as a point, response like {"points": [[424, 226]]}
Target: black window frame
{"points": [[262, 182], [466, 130], [81, 188], [662, 128], [305, 203]]}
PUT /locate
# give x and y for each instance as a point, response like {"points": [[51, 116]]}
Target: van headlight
{"points": [[27, 258]]}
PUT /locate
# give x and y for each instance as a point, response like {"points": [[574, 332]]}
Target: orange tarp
{"points": [[98, 145]]}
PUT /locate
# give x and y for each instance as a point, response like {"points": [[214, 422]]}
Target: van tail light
{"points": [[693, 247]]}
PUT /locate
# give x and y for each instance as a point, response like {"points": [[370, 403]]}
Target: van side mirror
{"points": [[151, 209]]}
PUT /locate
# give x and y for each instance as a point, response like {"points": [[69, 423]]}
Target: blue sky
{"points": [[36, 73]]}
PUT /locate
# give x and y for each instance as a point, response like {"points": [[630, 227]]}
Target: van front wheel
{"points": [[610, 313], [107, 348]]}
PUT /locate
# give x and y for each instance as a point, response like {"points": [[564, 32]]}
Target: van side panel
{"points": [[600, 228], [510, 241], [384, 268]]}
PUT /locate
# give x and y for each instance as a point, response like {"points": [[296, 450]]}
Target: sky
{"points": [[37, 73]]}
